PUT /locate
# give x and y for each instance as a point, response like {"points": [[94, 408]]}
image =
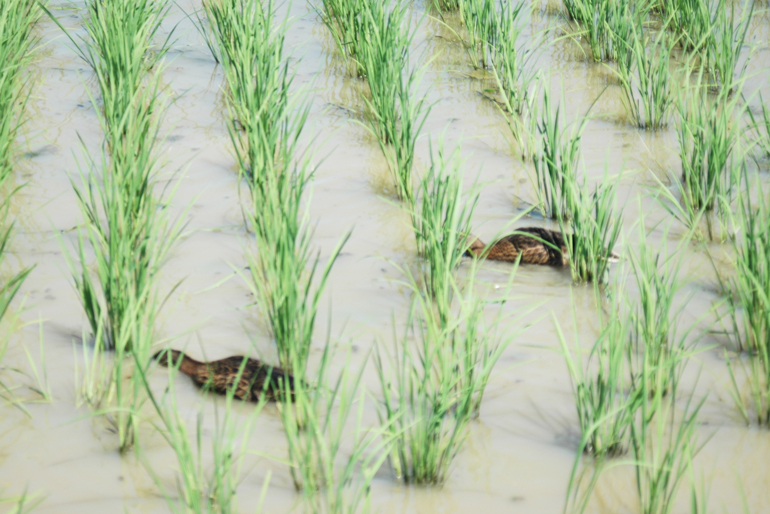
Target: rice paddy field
{"points": [[298, 182]]}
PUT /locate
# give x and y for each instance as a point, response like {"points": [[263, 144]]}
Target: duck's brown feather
{"points": [[221, 375]]}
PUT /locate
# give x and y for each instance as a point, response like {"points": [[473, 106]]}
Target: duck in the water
{"points": [[535, 245], [257, 378]]}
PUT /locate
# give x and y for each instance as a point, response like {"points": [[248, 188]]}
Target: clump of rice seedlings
{"points": [[121, 52], [112, 385], [663, 445], [126, 230], [204, 484], [394, 116], [689, 20], [515, 79], [605, 410], [317, 433], [591, 231], [606, 24], [17, 45], [724, 44], [447, 5], [432, 390], [480, 19], [748, 300], [258, 82], [708, 136], [441, 223], [345, 21], [654, 319], [645, 79], [285, 276], [556, 162]]}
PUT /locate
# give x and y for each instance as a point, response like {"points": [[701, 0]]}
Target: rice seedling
{"points": [[203, 486], [594, 218], [605, 410], [606, 24], [556, 162], [112, 385], [515, 79], [724, 44], [655, 337], [346, 22], [646, 80], [690, 20], [258, 78], [124, 226], [23, 503], [442, 224], [583, 478], [317, 430], [663, 445], [18, 19], [708, 137], [395, 118], [443, 6], [430, 393], [481, 21], [762, 127], [748, 303]]}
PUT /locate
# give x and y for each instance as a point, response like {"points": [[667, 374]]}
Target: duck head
{"points": [[473, 246], [168, 357]]}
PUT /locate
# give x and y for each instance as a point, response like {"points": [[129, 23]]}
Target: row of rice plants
{"points": [[125, 228], [431, 392], [287, 277], [555, 152], [270, 160], [18, 45], [433, 379]]}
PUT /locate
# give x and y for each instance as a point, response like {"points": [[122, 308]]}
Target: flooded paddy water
{"points": [[520, 451]]}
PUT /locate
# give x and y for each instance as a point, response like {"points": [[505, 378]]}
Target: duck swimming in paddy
{"points": [[535, 245], [257, 378]]}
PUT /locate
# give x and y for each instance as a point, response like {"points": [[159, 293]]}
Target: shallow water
{"points": [[520, 451]]}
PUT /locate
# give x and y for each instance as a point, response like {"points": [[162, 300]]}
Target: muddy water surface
{"points": [[520, 451]]}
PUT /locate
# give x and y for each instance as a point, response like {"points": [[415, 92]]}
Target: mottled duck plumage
{"points": [[220, 376], [535, 245]]}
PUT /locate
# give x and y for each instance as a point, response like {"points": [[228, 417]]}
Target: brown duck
{"points": [[535, 245], [221, 375]]}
